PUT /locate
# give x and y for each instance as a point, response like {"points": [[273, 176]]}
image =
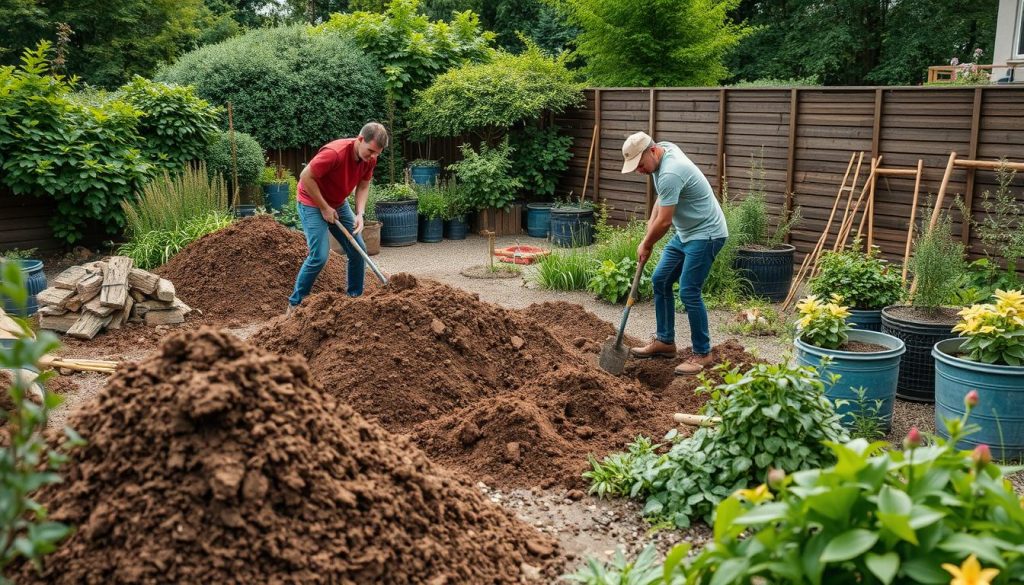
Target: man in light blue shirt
{"points": [[686, 203]]}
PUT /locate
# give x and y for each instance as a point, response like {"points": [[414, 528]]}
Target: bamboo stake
{"points": [[845, 233], [696, 420], [942, 191], [913, 218], [590, 156], [849, 200]]}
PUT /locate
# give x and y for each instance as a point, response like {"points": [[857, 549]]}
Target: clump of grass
{"points": [[938, 265], [565, 270], [169, 201], [153, 248]]}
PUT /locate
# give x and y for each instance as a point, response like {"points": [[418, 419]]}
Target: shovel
{"points": [[613, 354], [380, 275]]}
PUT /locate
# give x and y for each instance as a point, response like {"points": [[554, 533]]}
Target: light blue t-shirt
{"points": [[679, 182]]}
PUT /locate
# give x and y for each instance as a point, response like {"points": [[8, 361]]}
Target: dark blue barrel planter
{"points": [[866, 320], [35, 281], [1000, 409], [766, 273], [876, 372], [431, 230], [538, 220], [456, 228], [917, 371], [399, 222], [276, 195], [244, 210], [572, 227], [425, 175]]}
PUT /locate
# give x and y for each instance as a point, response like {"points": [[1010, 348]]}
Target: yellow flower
{"points": [[989, 329], [970, 573], [756, 495], [838, 311], [808, 305], [1010, 298]]}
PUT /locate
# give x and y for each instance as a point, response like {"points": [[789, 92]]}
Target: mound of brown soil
{"points": [[215, 462], [246, 271]]}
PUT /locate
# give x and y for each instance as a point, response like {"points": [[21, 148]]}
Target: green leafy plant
{"points": [[275, 175], [541, 156], [432, 204], [153, 248], [752, 221], [771, 416], [392, 192], [823, 324], [19, 253], [248, 158], [995, 331], [864, 280], [27, 461], [566, 270], [938, 265], [423, 162], [611, 281], [1001, 229], [864, 421], [644, 570], [486, 175], [613, 476], [724, 285], [457, 204]]}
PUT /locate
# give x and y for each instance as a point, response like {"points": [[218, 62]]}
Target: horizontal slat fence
{"points": [[805, 138]]}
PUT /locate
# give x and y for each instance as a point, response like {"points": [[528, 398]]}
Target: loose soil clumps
{"points": [[215, 462], [246, 271]]}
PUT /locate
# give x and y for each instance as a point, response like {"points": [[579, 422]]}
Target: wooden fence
{"points": [[805, 138]]}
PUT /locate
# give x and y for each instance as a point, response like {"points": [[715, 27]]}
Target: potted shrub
{"points": [[371, 225], [424, 171], [275, 181], [455, 210], [35, 280], [867, 362], [866, 282], [572, 223], [989, 357], [396, 209], [938, 268], [763, 261], [540, 158], [489, 186], [431, 215]]}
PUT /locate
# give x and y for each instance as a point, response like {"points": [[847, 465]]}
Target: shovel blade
{"points": [[613, 357]]}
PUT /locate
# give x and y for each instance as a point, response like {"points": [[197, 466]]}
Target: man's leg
{"points": [[356, 265], [665, 275], [700, 255], [315, 228]]}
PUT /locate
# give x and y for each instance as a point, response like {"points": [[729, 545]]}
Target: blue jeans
{"points": [[319, 247], [688, 263]]}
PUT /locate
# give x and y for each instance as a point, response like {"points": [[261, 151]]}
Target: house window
{"points": [[1020, 30]]}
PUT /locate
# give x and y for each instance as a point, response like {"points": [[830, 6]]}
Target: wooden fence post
{"points": [[876, 126], [597, 125], [787, 210], [721, 141], [651, 111], [965, 228]]}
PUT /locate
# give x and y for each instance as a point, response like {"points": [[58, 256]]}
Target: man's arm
{"points": [[311, 189], [362, 194], [657, 226]]}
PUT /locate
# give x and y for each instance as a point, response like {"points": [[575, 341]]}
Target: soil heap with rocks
{"points": [[215, 462], [485, 390], [246, 271]]}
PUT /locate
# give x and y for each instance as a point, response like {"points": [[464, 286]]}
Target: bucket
{"points": [[538, 220], [276, 195], [431, 231], [35, 281], [456, 228], [425, 175]]}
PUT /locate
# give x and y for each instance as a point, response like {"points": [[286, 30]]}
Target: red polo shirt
{"points": [[337, 172]]}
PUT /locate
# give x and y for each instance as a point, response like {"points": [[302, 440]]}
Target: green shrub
{"points": [[752, 219], [1001, 230], [276, 175], [811, 80], [431, 204], [541, 156], [393, 192], [823, 324], [938, 265], [863, 280], [457, 204], [565, 270], [287, 87], [171, 199], [153, 248], [772, 416], [27, 460], [487, 176], [611, 281], [248, 158]]}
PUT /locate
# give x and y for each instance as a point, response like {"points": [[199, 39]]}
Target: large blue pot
{"points": [[866, 320], [876, 372], [766, 274], [425, 175], [276, 195], [1000, 409], [456, 228], [35, 281], [431, 231], [572, 227], [399, 222], [538, 220]]}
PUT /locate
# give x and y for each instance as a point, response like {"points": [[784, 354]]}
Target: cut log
{"points": [[96, 267], [115, 282], [74, 304], [120, 317], [90, 287], [169, 317], [58, 323], [151, 305], [70, 278], [88, 325], [165, 290], [55, 297], [52, 311], [137, 295], [142, 280], [98, 308]]}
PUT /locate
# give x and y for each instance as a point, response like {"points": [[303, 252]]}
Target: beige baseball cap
{"points": [[632, 149]]}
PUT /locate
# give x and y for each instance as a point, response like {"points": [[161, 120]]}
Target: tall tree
{"points": [[655, 42]]}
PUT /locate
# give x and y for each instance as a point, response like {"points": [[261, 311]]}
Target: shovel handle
{"points": [[630, 301], [380, 275]]}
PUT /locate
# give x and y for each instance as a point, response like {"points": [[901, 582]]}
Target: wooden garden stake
{"points": [[234, 155], [942, 191], [590, 156], [913, 218]]}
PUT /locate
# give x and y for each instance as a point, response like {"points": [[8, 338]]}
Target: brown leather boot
{"points": [[654, 349], [693, 365]]}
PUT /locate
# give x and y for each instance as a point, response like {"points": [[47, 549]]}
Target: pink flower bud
{"points": [[775, 478], [971, 399], [913, 439], [981, 455]]}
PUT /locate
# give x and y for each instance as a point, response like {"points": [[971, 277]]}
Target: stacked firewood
{"points": [[87, 299]]}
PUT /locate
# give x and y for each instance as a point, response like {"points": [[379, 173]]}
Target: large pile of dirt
{"points": [[215, 462], [246, 271], [489, 391]]}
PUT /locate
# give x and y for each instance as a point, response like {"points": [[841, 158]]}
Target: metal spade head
{"points": [[613, 356]]}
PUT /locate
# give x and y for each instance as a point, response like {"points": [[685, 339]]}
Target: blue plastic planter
{"points": [[398, 222], [425, 175], [766, 273], [276, 195], [876, 372], [456, 228], [35, 280], [245, 210], [431, 231], [866, 320], [538, 220], [1000, 410], [572, 227]]}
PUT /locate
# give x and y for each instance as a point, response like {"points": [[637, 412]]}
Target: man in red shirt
{"points": [[324, 185]]}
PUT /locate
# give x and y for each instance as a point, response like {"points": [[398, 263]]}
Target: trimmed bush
{"points": [[248, 154], [287, 87]]}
